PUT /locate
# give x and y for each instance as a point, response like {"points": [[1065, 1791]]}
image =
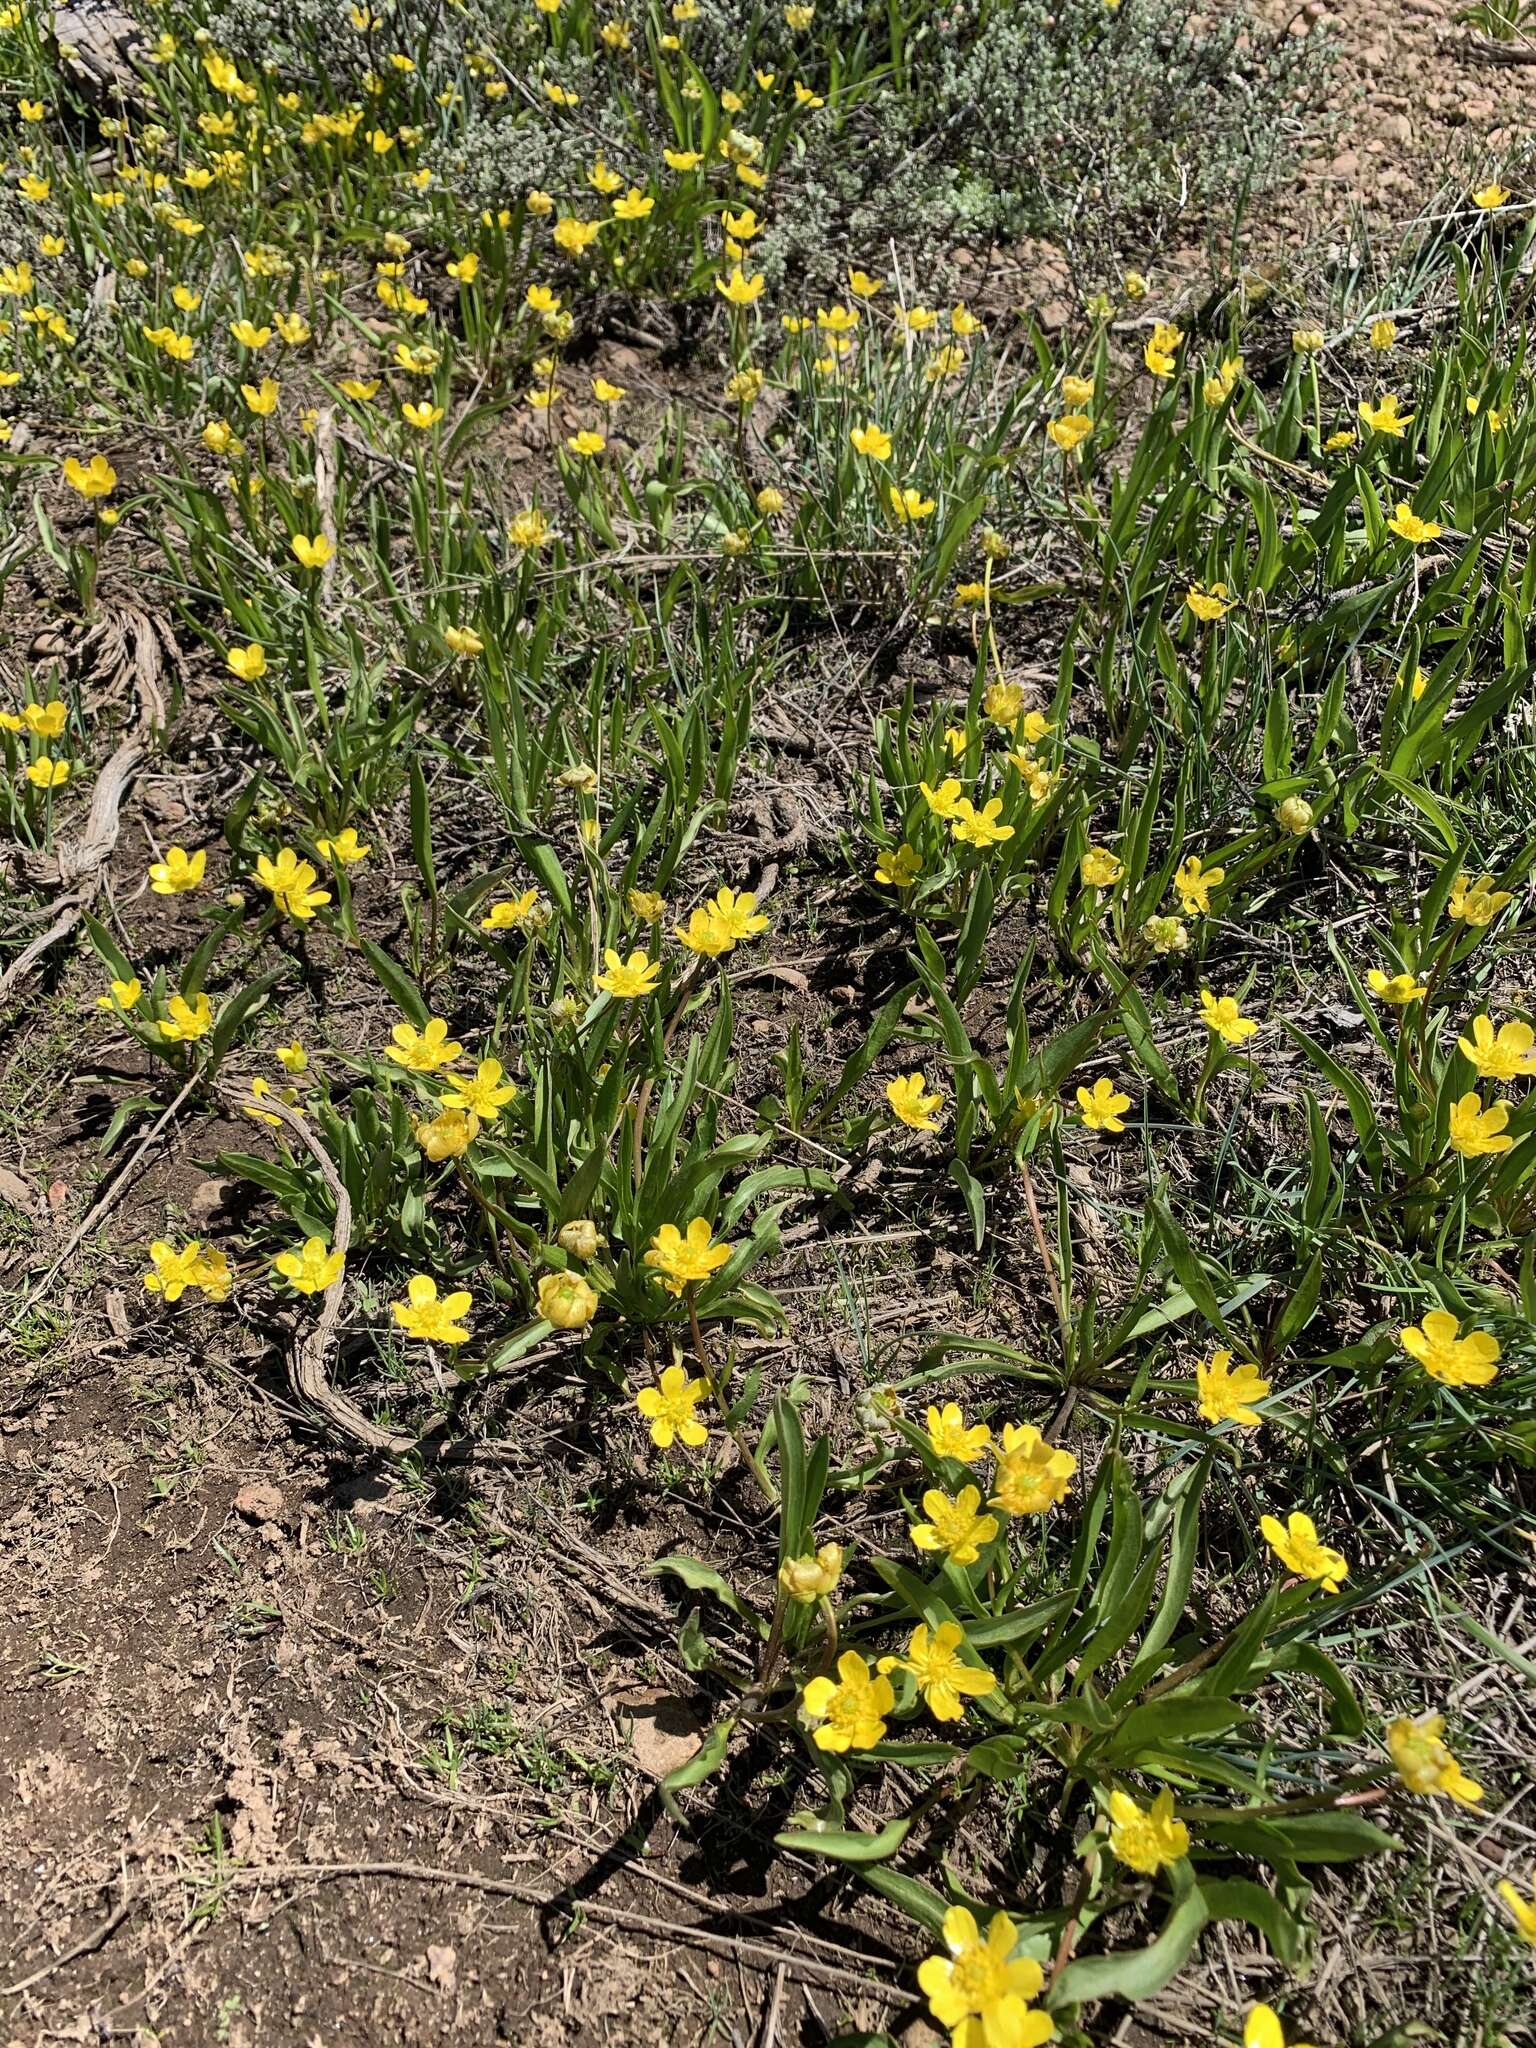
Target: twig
{"points": [[73, 1953], [307, 1360]]}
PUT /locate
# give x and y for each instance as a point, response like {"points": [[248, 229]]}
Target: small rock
{"points": [[260, 1501], [443, 1967], [208, 1198]]}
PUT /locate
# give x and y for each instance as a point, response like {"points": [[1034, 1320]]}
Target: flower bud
{"points": [[579, 1238], [566, 1301], [1295, 816], [808, 1579]]}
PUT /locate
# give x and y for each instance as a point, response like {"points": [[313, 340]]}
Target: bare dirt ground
{"points": [[296, 1751]]}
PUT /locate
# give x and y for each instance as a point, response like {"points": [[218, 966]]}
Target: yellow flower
{"points": [[1218, 389], [1146, 1838], [248, 663], [186, 1021], [178, 873], [529, 529], [47, 773], [851, 1709], [345, 849], [1397, 989], [1070, 430], [944, 1679], [1477, 903], [422, 1052], [669, 1409], [291, 882], [811, 1578], [292, 1058], [686, 1261], [313, 1269], [1160, 353], [1262, 2029], [633, 205], [1454, 1360], [1384, 418], [1489, 197], [1101, 869], [945, 801], [1423, 1762], [1032, 1475], [1194, 884], [1478, 1133], [261, 398], [740, 290], [566, 1301], [979, 828], [897, 867], [1407, 523], [484, 1094], [627, 979], [311, 553], [94, 479], [464, 640], [1102, 1108], [951, 1437], [909, 1099], [872, 441], [175, 1271], [908, 504], [511, 914], [1307, 341], [1228, 1396], [863, 286], [48, 720], [124, 995], [463, 269], [422, 416], [1503, 1056], [606, 393], [1222, 1015], [1522, 1911], [682, 159], [587, 443], [957, 1527], [978, 1991], [429, 1319], [1208, 604], [249, 335], [1296, 1545]]}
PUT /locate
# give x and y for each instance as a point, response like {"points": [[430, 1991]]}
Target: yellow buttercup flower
{"points": [[669, 1408], [627, 979], [1384, 418], [1101, 1108], [1101, 869], [430, 1318], [248, 663], [179, 872], [952, 1437], [1477, 902], [1410, 527], [1456, 1361], [186, 1022], [484, 1094], [1226, 1395], [47, 773], [945, 1680], [957, 1527], [1208, 604], [1295, 1542], [979, 1990], [851, 1708], [1397, 989], [1222, 1015], [1032, 1476], [422, 1052], [1478, 1133], [1502, 1055], [872, 441], [313, 1268], [311, 552], [1146, 1838], [1424, 1763], [94, 479], [346, 850], [686, 1261], [739, 289], [911, 1101], [1194, 882], [1521, 1911]]}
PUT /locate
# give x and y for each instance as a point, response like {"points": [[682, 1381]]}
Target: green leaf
{"points": [[847, 1845], [1338, 1837], [1137, 1973]]}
